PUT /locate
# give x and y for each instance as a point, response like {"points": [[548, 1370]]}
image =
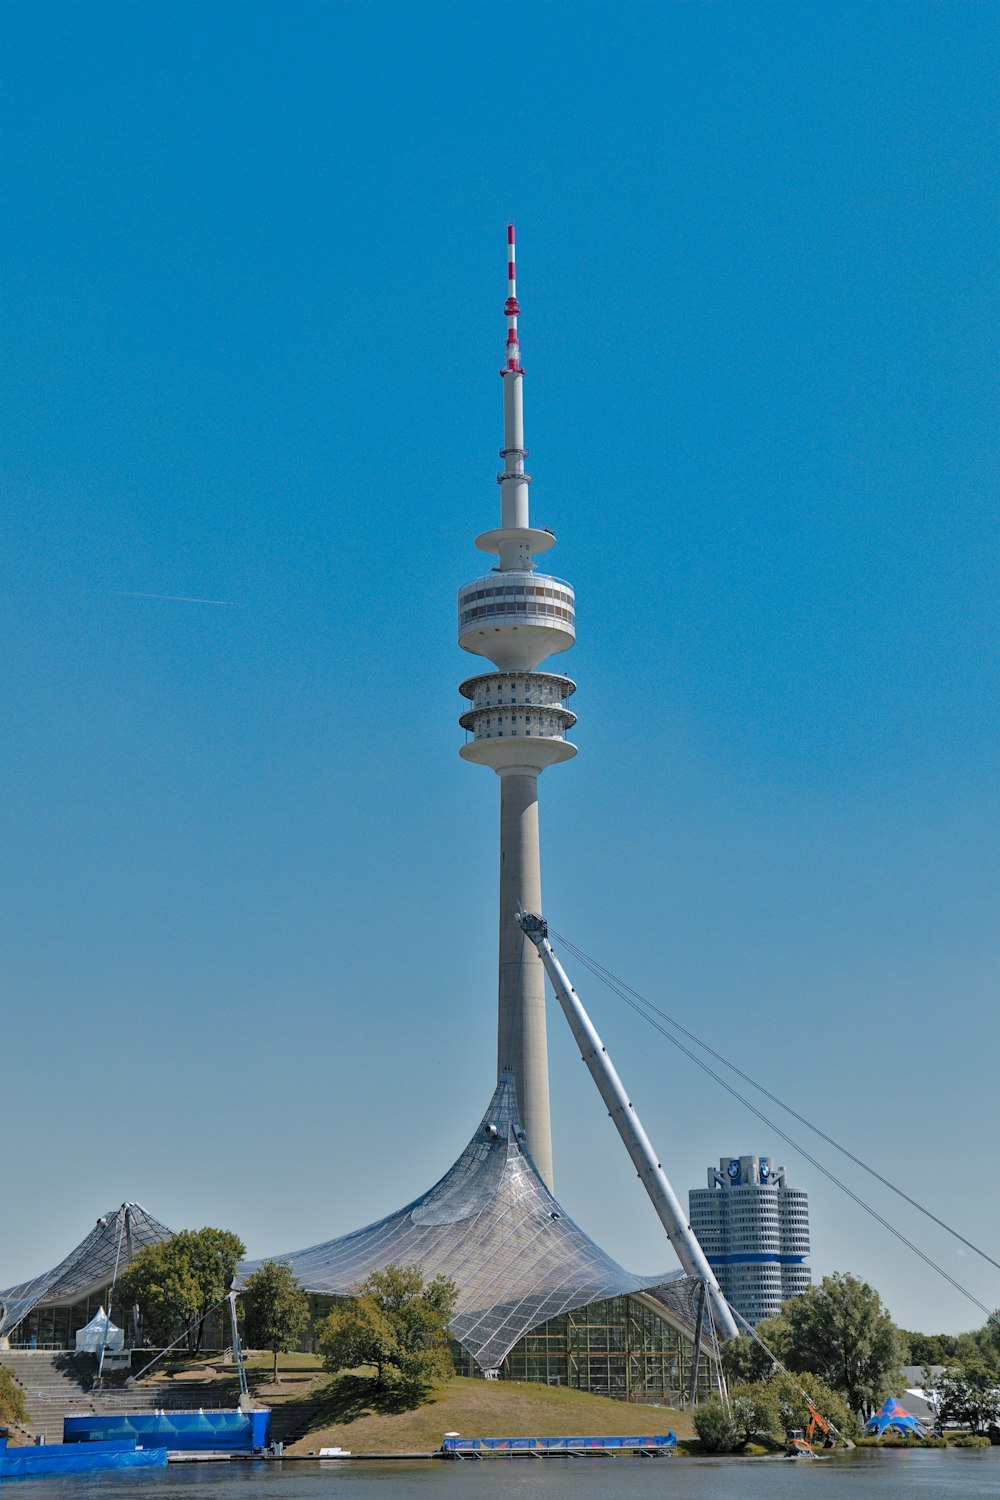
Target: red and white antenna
{"points": [[510, 307]]}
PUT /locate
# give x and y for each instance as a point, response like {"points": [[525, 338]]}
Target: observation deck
{"points": [[516, 619]]}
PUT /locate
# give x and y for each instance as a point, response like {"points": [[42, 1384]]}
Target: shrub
{"points": [[11, 1400], [754, 1407], [715, 1428], [897, 1440], [794, 1412]]}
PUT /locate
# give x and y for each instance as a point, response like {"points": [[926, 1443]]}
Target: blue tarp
{"points": [[60, 1458], [500, 1445], [180, 1431]]}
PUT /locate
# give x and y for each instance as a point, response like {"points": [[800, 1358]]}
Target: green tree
{"points": [[967, 1393], [11, 1400], [715, 1427], [744, 1361], [988, 1339], [777, 1335], [841, 1332], [967, 1346], [991, 1332], [275, 1309], [929, 1348], [395, 1322], [177, 1282], [754, 1408]]}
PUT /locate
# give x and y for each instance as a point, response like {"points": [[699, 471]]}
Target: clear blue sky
{"points": [[253, 274]]}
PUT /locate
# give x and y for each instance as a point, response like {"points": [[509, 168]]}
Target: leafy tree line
{"points": [[952, 1348], [931, 1348], [968, 1392], [176, 1283], [396, 1322], [843, 1348], [767, 1408], [840, 1332]]}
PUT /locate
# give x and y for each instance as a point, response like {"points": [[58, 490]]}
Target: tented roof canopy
{"points": [[493, 1227], [88, 1268], [894, 1416]]}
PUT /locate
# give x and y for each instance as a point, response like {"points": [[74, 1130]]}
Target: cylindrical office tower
{"points": [[517, 723]]}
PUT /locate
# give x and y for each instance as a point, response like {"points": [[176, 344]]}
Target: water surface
{"points": [[864, 1475]]}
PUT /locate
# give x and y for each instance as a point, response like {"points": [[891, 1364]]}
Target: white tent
{"points": [[100, 1331]]}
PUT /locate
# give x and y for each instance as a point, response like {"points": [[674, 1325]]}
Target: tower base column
{"points": [[521, 1040]]}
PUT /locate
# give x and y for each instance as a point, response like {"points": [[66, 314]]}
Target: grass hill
{"points": [[350, 1413]]}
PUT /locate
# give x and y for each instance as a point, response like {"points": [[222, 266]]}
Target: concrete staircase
{"points": [[53, 1384], [292, 1420], [56, 1384]]}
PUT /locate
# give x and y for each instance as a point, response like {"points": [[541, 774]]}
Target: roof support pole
{"points": [[629, 1126], [237, 1347], [696, 1358]]}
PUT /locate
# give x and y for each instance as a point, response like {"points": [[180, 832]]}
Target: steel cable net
{"points": [[89, 1267], [492, 1226]]}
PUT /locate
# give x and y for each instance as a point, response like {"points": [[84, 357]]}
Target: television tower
{"points": [[516, 617]]}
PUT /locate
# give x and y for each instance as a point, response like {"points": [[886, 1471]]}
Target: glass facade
{"points": [[545, 599], [619, 1347], [57, 1327]]}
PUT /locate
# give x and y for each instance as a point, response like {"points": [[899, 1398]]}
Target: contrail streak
{"points": [[171, 598]]}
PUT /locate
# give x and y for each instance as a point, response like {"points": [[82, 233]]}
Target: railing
{"points": [[498, 579], [40, 1349]]}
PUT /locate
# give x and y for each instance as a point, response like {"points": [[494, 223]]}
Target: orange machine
{"points": [[799, 1445]]}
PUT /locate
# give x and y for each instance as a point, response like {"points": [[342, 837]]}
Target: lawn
{"points": [[351, 1414]]}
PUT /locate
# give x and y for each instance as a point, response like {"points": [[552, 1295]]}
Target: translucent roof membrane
{"points": [[90, 1266], [493, 1227]]}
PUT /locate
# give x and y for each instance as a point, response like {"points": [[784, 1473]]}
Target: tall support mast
{"points": [[637, 1143], [515, 617]]}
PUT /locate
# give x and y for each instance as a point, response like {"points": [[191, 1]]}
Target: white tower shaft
{"points": [[516, 617], [522, 1048]]}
